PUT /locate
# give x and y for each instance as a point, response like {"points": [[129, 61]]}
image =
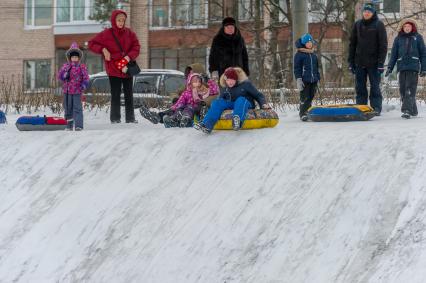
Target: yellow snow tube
{"points": [[255, 119]]}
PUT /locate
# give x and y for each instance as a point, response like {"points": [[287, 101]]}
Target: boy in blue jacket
{"points": [[306, 73], [236, 93], [409, 54]]}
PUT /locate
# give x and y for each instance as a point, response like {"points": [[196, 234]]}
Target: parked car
{"points": [[151, 87]]}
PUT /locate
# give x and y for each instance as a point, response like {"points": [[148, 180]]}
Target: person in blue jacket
{"points": [[306, 73], [409, 54], [236, 93]]}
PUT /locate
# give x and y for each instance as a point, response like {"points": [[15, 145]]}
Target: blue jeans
{"points": [[73, 110], [240, 107], [374, 77]]}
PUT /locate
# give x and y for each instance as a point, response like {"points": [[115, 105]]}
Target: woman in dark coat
{"points": [[116, 61], [409, 56], [228, 50]]}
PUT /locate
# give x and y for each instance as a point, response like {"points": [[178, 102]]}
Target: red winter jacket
{"points": [[127, 38]]}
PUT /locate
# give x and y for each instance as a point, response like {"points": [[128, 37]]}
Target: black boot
{"points": [[151, 116]]}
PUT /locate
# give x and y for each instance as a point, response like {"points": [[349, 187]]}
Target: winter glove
{"points": [[120, 64], [66, 76], [422, 73], [388, 72], [215, 75], [352, 68], [300, 84]]}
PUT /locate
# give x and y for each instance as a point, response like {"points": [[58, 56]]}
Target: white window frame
{"points": [[32, 26], [87, 11], [170, 26]]}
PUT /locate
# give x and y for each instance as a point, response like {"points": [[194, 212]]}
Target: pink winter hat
{"points": [[74, 51]]}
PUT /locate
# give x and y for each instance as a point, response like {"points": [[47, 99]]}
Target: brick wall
{"points": [[19, 44]]}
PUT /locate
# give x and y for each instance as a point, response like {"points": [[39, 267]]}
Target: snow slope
{"points": [[304, 202]]}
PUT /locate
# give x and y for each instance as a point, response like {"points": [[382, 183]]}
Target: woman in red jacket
{"points": [[115, 62]]}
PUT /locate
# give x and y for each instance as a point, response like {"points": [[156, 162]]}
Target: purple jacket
{"points": [[74, 77], [187, 97]]}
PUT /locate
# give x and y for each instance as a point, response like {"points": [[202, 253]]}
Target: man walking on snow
{"points": [[367, 54]]}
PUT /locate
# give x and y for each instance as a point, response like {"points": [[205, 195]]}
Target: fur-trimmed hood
{"points": [[409, 20], [241, 77]]}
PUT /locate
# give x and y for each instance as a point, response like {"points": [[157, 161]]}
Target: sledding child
{"points": [[75, 80], [306, 73], [237, 93], [189, 103], [157, 117], [409, 54]]}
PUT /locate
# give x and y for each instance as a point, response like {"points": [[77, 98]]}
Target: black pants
{"points": [[407, 88], [373, 75], [306, 97], [116, 84]]}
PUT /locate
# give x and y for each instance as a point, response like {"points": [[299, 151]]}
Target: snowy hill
{"points": [[304, 202]]}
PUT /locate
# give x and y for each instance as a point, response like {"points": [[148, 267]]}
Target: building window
{"points": [[73, 10], [176, 59], [322, 6], [37, 74], [160, 13], [216, 11], [178, 13], [246, 10], [391, 6], [38, 12], [188, 12]]}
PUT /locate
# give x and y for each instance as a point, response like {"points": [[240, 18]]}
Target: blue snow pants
{"points": [[240, 106]]}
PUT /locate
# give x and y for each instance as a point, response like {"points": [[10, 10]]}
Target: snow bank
{"points": [[304, 202]]}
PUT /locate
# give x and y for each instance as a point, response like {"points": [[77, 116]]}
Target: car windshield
{"points": [[100, 85], [146, 83]]}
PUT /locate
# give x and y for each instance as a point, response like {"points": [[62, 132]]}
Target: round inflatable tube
{"points": [[28, 127], [37, 123], [341, 113], [255, 119]]}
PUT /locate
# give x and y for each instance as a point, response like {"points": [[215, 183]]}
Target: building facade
{"points": [[173, 33]]}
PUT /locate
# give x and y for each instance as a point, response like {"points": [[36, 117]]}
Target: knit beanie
{"points": [[306, 38], [230, 73], [369, 7]]}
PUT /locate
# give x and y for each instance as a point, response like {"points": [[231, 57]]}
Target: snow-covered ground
{"points": [[303, 202]]}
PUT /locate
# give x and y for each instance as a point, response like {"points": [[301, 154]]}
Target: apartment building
{"points": [[173, 33]]}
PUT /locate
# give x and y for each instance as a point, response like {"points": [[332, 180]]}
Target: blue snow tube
{"points": [[37, 123], [341, 113]]}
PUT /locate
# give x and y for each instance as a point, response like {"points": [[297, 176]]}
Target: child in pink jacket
{"points": [[190, 102], [75, 80]]}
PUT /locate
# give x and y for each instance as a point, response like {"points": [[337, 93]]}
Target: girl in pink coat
{"points": [[190, 102], [75, 80]]}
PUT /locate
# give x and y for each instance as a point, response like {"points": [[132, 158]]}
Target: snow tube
{"points": [[341, 113], [37, 123], [255, 119]]}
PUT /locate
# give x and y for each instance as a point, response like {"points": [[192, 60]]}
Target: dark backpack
{"points": [[3, 119]]}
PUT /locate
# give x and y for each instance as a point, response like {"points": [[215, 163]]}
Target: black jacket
{"points": [[228, 51], [368, 44]]}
